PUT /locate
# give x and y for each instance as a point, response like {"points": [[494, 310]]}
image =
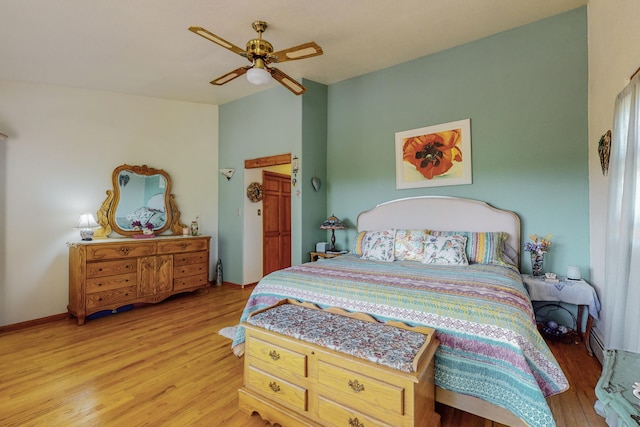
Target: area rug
{"points": [[228, 332]]}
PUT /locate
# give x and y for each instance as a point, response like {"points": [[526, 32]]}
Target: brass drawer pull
{"points": [[183, 245], [356, 386], [354, 422], [125, 250], [274, 355], [274, 387]]}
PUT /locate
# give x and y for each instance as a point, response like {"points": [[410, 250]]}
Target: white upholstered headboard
{"points": [[442, 213]]}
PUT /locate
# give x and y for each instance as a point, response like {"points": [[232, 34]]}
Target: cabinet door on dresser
{"points": [[155, 275]]}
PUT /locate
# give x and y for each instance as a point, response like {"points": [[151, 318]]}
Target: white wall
{"points": [[252, 240], [57, 162], [614, 54]]}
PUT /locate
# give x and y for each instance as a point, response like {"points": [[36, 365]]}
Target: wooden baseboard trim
{"points": [[34, 322]]}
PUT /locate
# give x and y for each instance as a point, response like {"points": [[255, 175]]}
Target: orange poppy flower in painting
{"points": [[433, 154]]}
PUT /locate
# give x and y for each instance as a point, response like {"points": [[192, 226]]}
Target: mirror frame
{"points": [[107, 213]]}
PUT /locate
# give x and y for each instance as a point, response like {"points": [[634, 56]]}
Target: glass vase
{"points": [[537, 263]]}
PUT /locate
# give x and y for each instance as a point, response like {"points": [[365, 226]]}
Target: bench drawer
{"points": [[276, 388], [339, 415], [278, 357], [360, 391]]}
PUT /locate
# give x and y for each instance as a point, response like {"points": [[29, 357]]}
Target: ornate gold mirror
{"points": [[141, 199]]}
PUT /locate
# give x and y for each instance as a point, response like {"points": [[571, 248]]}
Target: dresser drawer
{"points": [[190, 269], [190, 282], [119, 250], [112, 297], [110, 268], [277, 358], [107, 283], [276, 388], [360, 391], [182, 245], [335, 414], [190, 258]]}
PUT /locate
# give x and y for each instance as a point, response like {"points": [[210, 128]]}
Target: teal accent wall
{"points": [[525, 91], [266, 124], [314, 163]]}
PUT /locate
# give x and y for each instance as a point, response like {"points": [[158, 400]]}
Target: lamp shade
{"points": [[333, 223], [86, 224], [258, 76]]}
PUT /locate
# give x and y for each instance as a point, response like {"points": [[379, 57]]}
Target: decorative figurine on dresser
{"points": [[148, 260]]}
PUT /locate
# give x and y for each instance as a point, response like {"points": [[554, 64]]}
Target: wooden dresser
{"points": [[296, 383], [109, 273]]}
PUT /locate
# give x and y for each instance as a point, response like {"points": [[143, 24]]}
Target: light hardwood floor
{"points": [[166, 365]]}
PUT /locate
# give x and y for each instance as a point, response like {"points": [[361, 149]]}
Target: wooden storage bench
{"points": [[312, 367]]}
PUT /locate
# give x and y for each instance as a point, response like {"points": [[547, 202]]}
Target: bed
{"points": [[492, 361], [153, 213]]}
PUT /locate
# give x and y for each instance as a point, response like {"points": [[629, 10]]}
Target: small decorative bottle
{"points": [[194, 227]]}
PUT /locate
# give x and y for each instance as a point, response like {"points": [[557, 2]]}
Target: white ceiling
{"points": [[143, 47]]}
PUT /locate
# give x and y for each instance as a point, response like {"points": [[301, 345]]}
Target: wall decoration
{"points": [[434, 156], [294, 171], [254, 192], [604, 150], [123, 179]]}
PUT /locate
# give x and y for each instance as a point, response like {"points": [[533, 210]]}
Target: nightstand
{"points": [[315, 255], [576, 292]]}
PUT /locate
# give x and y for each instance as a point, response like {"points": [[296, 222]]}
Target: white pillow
{"points": [[445, 250], [378, 245]]}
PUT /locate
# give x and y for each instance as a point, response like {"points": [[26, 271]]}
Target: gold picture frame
{"points": [[434, 156]]}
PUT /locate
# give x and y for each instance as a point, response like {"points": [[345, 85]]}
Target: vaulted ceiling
{"points": [[143, 47]]}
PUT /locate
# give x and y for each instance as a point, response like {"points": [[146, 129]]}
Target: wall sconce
{"points": [[315, 181], [294, 171], [227, 173], [86, 223]]}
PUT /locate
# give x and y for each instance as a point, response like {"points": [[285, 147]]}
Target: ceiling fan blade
{"points": [[218, 40], [287, 81], [306, 50], [230, 76]]}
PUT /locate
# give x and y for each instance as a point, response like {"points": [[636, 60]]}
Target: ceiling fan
{"points": [[260, 53]]}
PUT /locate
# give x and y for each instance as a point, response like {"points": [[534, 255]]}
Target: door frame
{"points": [[252, 257]]}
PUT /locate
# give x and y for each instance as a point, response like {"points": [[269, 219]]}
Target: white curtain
{"points": [[622, 271]]}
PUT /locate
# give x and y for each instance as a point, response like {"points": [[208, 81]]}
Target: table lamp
{"points": [[333, 223], [86, 223]]}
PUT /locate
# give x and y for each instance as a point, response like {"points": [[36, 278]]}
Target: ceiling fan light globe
{"points": [[258, 76]]}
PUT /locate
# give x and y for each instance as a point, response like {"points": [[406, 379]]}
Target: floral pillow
{"points": [[378, 245], [409, 245], [481, 247], [445, 250]]}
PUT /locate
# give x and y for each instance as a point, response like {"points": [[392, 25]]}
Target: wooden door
{"points": [[276, 222]]}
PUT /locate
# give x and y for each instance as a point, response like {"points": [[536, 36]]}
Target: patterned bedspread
{"points": [[489, 345]]}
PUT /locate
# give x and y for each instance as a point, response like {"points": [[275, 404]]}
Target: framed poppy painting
{"points": [[434, 156]]}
